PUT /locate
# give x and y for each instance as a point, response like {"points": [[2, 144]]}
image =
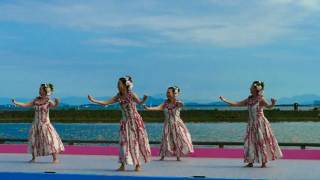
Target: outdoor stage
{"points": [[100, 162]]}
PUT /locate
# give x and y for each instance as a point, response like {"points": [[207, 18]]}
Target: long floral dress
{"points": [[134, 143], [260, 143], [43, 138], [176, 139]]}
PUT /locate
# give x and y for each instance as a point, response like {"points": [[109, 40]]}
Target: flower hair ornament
{"points": [[48, 87], [129, 84], [176, 91]]}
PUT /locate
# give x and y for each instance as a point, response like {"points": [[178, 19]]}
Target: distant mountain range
{"points": [[306, 99]]}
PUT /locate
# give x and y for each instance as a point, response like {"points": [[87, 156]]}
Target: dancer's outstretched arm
{"points": [[103, 103], [267, 105], [20, 104], [231, 103], [156, 108], [137, 99]]}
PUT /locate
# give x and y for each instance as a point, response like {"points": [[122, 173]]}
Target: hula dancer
{"points": [[176, 139], [134, 143], [260, 144], [43, 138]]}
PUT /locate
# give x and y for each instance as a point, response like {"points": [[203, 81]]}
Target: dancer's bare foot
{"points": [[162, 158], [263, 165], [55, 158], [249, 165], [32, 161], [178, 159], [138, 168], [121, 168], [55, 161]]}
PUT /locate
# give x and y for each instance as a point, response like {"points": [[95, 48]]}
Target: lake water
{"points": [[301, 132]]}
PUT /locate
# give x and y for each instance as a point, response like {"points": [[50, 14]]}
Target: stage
{"points": [[90, 161]]}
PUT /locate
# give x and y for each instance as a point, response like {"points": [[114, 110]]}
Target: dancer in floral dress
{"points": [[134, 143], [43, 138], [260, 144], [176, 139]]}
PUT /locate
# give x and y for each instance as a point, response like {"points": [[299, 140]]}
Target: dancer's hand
{"points": [[90, 98], [56, 100], [14, 101], [145, 97], [222, 98], [273, 101]]}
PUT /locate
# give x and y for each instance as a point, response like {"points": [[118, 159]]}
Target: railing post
{"points": [[71, 143]]}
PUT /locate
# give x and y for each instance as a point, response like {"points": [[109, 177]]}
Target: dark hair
{"points": [[258, 83], [44, 87], [174, 89], [124, 80]]}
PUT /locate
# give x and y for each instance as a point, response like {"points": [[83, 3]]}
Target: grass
{"points": [[105, 116]]}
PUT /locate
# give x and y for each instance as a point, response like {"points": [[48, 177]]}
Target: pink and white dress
{"points": [[43, 138], [260, 144], [176, 139], [134, 142]]}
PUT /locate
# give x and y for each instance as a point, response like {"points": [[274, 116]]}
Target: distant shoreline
{"points": [[196, 116]]}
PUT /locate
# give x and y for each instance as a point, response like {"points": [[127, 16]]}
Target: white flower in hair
{"points": [[176, 91], [48, 90], [129, 84]]}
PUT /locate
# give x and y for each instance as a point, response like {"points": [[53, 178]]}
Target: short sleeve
{"points": [[180, 104], [165, 104], [116, 98], [246, 101], [34, 101]]}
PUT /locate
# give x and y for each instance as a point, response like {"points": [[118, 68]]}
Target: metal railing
{"points": [[220, 144]]}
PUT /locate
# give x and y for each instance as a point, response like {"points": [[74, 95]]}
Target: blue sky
{"points": [[208, 47]]}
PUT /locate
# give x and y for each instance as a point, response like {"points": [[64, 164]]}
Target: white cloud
{"points": [[260, 23], [308, 4], [117, 42]]}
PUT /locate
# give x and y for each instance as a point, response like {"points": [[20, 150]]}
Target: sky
{"points": [[206, 47]]}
